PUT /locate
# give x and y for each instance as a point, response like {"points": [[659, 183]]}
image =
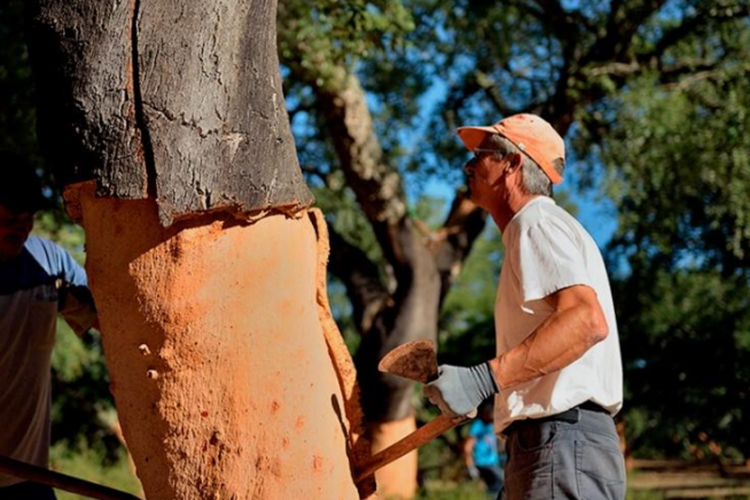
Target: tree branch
{"points": [[557, 20], [553, 8], [697, 24], [622, 25], [361, 279], [565, 26], [376, 184], [696, 69], [455, 239], [491, 90]]}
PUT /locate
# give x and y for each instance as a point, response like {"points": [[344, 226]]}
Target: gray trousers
{"points": [[575, 458]]}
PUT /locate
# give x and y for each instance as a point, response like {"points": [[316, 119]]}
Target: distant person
{"points": [[484, 455], [38, 280], [558, 371]]}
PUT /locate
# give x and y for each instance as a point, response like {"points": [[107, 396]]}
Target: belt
{"points": [[570, 416]]}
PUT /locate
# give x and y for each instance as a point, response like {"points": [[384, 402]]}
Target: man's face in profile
{"points": [[14, 231]]}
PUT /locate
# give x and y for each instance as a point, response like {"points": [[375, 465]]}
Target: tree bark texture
{"points": [[180, 102], [230, 378], [167, 123]]}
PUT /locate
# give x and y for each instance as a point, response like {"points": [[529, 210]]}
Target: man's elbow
{"points": [[596, 325]]}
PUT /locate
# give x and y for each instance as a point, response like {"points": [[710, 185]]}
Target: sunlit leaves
{"points": [[329, 36], [680, 158]]}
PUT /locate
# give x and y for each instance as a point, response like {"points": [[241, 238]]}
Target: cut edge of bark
{"points": [[359, 447], [296, 210]]}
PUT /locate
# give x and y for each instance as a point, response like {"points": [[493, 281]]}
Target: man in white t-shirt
{"points": [[558, 373], [38, 281]]}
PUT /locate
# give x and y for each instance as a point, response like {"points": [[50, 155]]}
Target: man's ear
{"points": [[516, 160]]}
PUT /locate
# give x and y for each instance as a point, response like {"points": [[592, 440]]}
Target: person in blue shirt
{"points": [[38, 281], [482, 454]]}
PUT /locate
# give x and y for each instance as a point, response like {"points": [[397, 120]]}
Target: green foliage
{"points": [[17, 101], [673, 156], [83, 413], [56, 226], [347, 220], [17, 111], [325, 36], [467, 327], [87, 464], [679, 169], [686, 338], [439, 460]]}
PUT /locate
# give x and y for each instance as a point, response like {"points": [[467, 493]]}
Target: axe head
{"points": [[416, 360]]}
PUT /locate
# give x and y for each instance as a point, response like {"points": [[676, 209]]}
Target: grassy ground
{"points": [[648, 481], [88, 465], [677, 480], [451, 491]]}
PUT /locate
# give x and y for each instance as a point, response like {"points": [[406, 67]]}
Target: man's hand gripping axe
{"points": [[416, 361]]}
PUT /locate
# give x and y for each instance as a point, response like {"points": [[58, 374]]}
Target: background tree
{"points": [[680, 175], [397, 299], [477, 62]]}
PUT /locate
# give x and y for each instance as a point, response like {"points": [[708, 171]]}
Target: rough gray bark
{"points": [[181, 102]]}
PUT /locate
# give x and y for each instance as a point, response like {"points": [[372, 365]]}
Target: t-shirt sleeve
{"points": [[76, 302], [548, 259], [72, 272]]}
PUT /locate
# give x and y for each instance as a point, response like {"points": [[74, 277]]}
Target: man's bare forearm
{"points": [[560, 340]]}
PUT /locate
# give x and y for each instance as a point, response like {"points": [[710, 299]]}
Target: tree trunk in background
{"points": [[422, 265], [589, 59], [166, 122]]}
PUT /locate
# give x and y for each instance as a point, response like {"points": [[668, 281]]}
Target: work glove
{"points": [[473, 472], [458, 391]]}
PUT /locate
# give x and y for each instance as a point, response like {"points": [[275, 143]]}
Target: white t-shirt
{"points": [[34, 288], [547, 250]]}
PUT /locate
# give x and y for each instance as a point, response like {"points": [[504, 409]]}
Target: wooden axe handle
{"points": [[423, 435], [61, 481]]}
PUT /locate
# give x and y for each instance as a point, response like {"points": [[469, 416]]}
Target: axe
{"points": [[416, 361]]}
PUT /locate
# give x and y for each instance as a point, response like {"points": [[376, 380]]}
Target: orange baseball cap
{"points": [[530, 133]]}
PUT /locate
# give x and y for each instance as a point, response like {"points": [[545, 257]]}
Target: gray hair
{"points": [[535, 181]]}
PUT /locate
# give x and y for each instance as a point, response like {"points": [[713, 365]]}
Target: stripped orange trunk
{"points": [[166, 121], [221, 369]]}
